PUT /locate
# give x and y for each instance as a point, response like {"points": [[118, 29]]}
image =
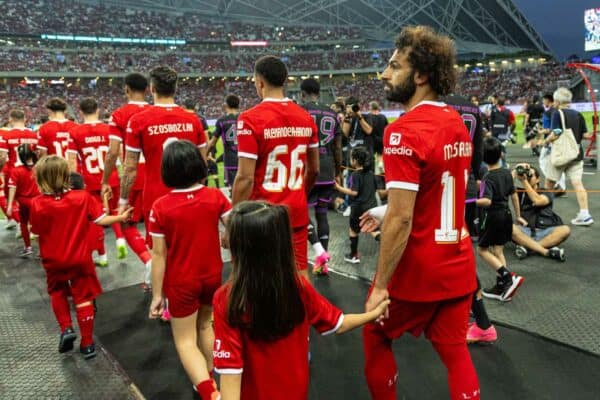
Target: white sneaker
{"points": [[583, 220], [101, 260], [347, 212]]}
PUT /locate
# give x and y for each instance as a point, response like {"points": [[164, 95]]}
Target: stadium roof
{"points": [[478, 26]]}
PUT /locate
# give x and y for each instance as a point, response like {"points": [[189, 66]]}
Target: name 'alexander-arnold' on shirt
{"points": [[287, 131]]}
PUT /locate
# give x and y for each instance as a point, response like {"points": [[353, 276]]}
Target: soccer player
{"points": [[148, 131], [330, 160], [263, 313], [178, 274], [54, 135], [88, 143], [22, 187], [278, 149], [426, 264], [225, 130], [60, 217], [17, 135], [135, 92]]}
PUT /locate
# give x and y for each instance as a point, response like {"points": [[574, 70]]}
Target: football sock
{"points": [[85, 319], [60, 306], [25, 233], [207, 390], [380, 366], [137, 243], [322, 226], [354, 245], [481, 317], [318, 248], [504, 274], [312, 232], [117, 230], [462, 379]]}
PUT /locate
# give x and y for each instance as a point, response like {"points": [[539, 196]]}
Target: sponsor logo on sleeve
{"points": [[218, 353], [394, 147], [395, 139]]}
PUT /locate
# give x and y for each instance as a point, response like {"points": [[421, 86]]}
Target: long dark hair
{"points": [[182, 165], [264, 298]]}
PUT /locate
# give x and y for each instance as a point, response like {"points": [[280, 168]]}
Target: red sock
{"points": [[380, 365], [60, 306], [117, 230], [136, 242], [25, 233], [85, 319], [96, 239], [462, 378], [207, 390]]}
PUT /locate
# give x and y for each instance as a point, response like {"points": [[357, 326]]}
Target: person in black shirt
{"points": [[362, 189], [225, 129], [496, 221], [378, 122], [533, 117], [356, 127], [330, 155], [541, 229]]}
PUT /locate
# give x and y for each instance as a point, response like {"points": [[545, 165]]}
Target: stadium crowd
{"points": [[110, 21]]}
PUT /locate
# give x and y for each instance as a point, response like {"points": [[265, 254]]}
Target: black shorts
{"points": [[356, 210], [321, 194], [495, 228]]}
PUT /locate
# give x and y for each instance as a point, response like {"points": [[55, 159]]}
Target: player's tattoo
{"points": [[110, 161], [132, 159]]}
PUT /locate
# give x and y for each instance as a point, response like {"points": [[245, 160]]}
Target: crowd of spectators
{"points": [[72, 17]]}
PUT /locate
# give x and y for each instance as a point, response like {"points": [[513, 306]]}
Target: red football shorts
{"points": [[82, 285], [186, 300], [300, 239], [442, 321]]}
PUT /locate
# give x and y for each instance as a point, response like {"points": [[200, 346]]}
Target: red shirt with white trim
{"points": [[193, 249], [150, 130], [118, 131], [53, 137], [277, 134], [4, 150], [13, 139], [22, 178], [428, 150], [62, 223], [271, 370], [90, 142]]}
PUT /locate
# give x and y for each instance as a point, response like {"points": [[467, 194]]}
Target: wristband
{"points": [[123, 202]]}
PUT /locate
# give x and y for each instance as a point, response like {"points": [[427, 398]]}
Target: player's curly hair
{"points": [[164, 80], [430, 54]]}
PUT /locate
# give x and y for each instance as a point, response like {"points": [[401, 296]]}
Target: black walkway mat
{"points": [[518, 366]]}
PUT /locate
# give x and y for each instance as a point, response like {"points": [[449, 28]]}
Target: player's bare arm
{"points": [[312, 169], [110, 163], [231, 386], [212, 143], [3, 158], [12, 191], [204, 152], [72, 160], [395, 231], [159, 265], [244, 180], [132, 158]]}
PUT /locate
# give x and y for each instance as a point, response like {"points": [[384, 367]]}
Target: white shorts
{"points": [[573, 171]]}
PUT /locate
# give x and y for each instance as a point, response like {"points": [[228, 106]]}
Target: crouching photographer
{"points": [[540, 229]]}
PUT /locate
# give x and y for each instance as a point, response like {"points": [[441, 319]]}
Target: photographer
{"points": [[540, 229], [378, 123], [567, 118], [357, 127]]}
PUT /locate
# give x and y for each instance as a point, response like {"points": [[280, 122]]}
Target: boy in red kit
{"points": [[11, 223], [278, 150], [22, 188], [89, 143], [262, 315], [61, 217], [135, 91], [186, 281]]}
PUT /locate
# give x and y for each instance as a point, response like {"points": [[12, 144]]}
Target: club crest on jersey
{"points": [[395, 139]]}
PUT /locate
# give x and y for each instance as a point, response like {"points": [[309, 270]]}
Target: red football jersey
{"points": [[149, 130], [271, 370], [118, 129], [428, 150], [170, 218], [54, 137], [62, 223], [90, 142], [277, 134], [13, 139], [23, 179]]}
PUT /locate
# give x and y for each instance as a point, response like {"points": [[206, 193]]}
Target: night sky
{"points": [[559, 22]]}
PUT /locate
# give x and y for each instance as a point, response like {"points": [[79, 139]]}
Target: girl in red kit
{"points": [[263, 313], [186, 259], [22, 188], [60, 217]]}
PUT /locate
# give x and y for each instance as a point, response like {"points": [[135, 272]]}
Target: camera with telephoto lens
{"points": [[355, 108], [522, 170]]}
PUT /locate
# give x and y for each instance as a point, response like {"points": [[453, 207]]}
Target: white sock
{"points": [[584, 212], [102, 257], [318, 248], [121, 242]]}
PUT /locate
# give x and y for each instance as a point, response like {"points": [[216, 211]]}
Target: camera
{"points": [[355, 108], [522, 170]]}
